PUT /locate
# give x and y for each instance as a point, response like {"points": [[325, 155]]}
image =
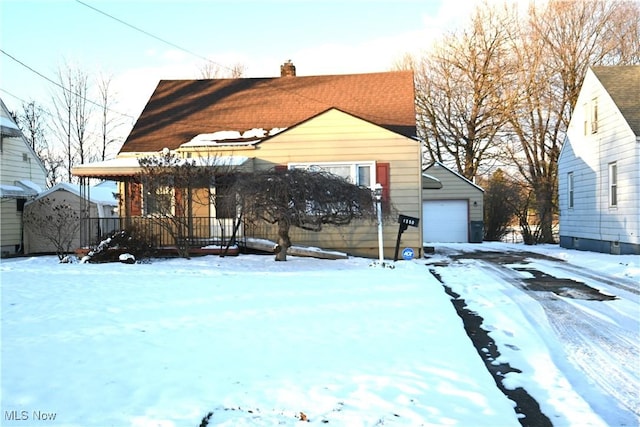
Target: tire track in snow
{"points": [[604, 352]]}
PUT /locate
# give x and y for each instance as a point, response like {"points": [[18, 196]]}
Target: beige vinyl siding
{"points": [[34, 243], [11, 221], [455, 187], [335, 136]]}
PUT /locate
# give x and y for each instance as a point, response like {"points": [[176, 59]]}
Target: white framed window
{"points": [[359, 173], [613, 184], [570, 189]]}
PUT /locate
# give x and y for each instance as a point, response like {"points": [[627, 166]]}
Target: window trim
{"points": [[167, 190], [354, 169], [613, 184], [570, 190], [594, 115]]}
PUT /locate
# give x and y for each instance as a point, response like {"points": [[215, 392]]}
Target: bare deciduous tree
{"points": [[554, 49], [72, 116], [502, 199], [301, 198], [57, 222], [460, 94], [212, 70], [33, 125], [108, 121]]}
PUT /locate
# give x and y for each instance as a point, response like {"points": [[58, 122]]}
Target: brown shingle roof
{"points": [[178, 110], [623, 84]]}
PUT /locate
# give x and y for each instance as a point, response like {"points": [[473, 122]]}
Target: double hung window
{"points": [[158, 201], [359, 173]]}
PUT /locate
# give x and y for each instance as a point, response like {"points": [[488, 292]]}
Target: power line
{"points": [[147, 33], [62, 87], [291, 91]]}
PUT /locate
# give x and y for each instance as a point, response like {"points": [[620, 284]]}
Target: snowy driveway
{"points": [[592, 319]]}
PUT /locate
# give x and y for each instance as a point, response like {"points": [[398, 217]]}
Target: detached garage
{"points": [[452, 207]]}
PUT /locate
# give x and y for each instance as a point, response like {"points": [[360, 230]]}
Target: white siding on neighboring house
{"points": [[592, 152], [22, 176]]}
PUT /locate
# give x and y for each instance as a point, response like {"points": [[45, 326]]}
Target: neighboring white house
{"points": [[102, 205], [599, 165], [452, 207], [22, 177]]}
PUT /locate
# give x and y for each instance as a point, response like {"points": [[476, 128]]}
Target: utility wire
{"points": [[152, 35], [43, 110], [290, 91], [60, 86]]}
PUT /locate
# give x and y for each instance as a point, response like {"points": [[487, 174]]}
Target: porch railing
{"points": [[198, 232], [162, 232]]}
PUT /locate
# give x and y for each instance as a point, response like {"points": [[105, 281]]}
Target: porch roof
{"points": [[124, 167]]}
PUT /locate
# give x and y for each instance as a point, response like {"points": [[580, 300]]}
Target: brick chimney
{"points": [[288, 69]]}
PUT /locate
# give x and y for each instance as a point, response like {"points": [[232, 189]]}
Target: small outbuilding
{"points": [[102, 205], [452, 207]]}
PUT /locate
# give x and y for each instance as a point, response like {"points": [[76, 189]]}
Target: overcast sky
{"points": [[320, 37]]}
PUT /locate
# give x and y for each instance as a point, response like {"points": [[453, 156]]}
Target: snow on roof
{"points": [[8, 123], [131, 166], [231, 137], [127, 162], [104, 193], [431, 177], [101, 195], [10, 131], [29, 185], [23, 188], [442, 165], [11, 191]]}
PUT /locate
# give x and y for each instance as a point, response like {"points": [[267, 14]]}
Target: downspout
{"points": [[21, 248]]}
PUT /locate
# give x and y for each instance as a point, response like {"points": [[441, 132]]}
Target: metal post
{"points": [[377, 191]]}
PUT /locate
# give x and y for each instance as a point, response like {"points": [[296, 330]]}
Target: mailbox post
{"points": [[377, 192], [404, 221]]}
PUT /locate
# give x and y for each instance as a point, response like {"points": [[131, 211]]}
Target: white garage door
{"points": [[445, 221]]}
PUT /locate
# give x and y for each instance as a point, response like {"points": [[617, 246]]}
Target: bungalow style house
{"points": [[599, 165], [359, 126], [22, 177]]}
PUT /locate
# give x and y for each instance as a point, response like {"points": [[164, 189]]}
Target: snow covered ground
{"points": [[260, 343]]}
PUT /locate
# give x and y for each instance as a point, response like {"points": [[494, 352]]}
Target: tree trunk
{"points": [[544, 209], [283, 240]]}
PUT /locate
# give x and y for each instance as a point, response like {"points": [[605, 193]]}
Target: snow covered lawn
{"points": [[256, 342]]}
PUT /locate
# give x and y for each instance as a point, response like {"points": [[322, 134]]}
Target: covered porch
{"points": [[199, 218]]}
